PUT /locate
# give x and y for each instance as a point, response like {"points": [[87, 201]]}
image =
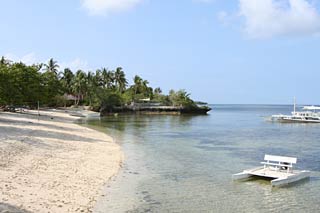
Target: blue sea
{"points": [[185, 163]]}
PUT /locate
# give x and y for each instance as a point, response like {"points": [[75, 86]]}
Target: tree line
{"points": [[26, 85]]}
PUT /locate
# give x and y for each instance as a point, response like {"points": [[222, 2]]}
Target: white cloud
{"points": [[75, 65], [269, 18], [103, 7], [28, 59]]}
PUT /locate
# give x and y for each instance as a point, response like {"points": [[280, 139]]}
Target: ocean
{"points": [[185, 163]]}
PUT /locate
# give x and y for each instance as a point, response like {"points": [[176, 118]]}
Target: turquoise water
{"points": [[185, 163]]}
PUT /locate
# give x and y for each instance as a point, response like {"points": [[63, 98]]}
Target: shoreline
{"points": [[48, 163], [157, 110]]}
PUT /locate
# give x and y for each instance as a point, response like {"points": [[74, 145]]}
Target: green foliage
{"points": [[181, 98], [162, 99], [120, 80], [127, 96], [26, 85], [52, 66], [51, 87], [19, 84], [141, 89], [110, 100], [60, 101], [157, 91], [66, 80], [79, 85]]}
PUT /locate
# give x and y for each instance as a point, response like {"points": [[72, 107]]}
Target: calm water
{"points": [[185, 163]]}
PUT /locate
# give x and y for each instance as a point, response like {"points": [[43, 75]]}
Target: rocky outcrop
{"points": [[154, 110]]}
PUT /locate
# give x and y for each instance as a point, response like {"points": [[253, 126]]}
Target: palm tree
{"points": [[38, 67], [141, 87], [92, 85], [120, 79], [107, 78], [147, 91], [52, 66], [157, 90], [137, 84], [180, 98], [145, 85], [66, 79], [79, 85], [4, 61]]}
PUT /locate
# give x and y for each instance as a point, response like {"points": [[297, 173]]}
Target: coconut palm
{"points": [[92, 85], [141, 87], [120, 79], [157, 90], [107, 78], [145, 85], [79, 85], [137, 84], [52, 66], [66, 80], [4, 61], [180, 98]]}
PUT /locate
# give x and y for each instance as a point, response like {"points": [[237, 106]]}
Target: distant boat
{"points": [[309, 114], [278, 168]]}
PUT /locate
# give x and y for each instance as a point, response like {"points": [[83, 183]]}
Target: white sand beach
{"points": [[50, 164]]}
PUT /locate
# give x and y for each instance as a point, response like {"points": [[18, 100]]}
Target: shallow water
{"points": [[185, 163]]}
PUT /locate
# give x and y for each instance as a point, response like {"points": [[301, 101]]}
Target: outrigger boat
{"points": [[310, 114], [278, 168]]}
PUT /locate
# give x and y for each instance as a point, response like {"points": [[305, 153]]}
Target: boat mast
{"points": [[294, 105]]}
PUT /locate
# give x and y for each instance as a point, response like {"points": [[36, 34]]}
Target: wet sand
{"points": [[50, 164]]}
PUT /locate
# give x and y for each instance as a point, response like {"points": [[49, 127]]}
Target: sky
{"points": [[222, 52]]}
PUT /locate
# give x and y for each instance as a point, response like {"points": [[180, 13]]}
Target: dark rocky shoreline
{"points": [[155, 110]]}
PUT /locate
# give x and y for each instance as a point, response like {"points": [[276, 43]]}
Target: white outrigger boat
{"points": [[310, 114], [278, 168]]}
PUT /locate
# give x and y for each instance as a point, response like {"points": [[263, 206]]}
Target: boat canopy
{"points": [[311, 108]]}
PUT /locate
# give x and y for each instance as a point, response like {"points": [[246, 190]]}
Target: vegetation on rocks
{"points": [[47, 84]]}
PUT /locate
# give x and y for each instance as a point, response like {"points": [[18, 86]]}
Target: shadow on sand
{"points": [[4, 207]]}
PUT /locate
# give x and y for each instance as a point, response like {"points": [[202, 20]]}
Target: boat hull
{"points": [[241, 176], [291, 179], [287, 120], [279, 178]]}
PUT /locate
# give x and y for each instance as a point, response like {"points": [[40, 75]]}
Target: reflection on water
{"points": [[185, 163]]}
